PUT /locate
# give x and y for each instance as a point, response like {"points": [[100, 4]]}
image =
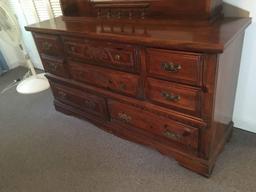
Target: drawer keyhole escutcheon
{"points": [[47, 46], [124, 117], [89, 104], [170, 96], [62, 95], [172, 135], [170, 67]]}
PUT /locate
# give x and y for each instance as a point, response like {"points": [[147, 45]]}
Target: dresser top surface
{"points": [[187, 36]]}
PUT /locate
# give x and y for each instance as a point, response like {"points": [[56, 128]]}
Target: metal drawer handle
{"points": [[172, 135], [90, 104], [62, 95], [53, 66], [124, 117], [122, 86], [117, 57], [170, 96], [72, 48], [170, 67]]}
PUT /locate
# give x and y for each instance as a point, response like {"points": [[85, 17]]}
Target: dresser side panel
{"points": [[228, 72]]}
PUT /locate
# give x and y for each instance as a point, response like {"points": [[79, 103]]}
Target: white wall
{"points": [[27, 37], [12, 55], [245, 105]]}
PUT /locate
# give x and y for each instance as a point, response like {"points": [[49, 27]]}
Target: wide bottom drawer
{"points": [[82, 100], [171, 130]]}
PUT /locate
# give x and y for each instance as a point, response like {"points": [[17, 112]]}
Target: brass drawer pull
{"points": [[62, 95], [80, 75], [47, 46], [122, 86], [124, 117], [172, 135], [52, 66], [72, 48], [90, 104], [117, 57], [170, 96], [171, 67]]}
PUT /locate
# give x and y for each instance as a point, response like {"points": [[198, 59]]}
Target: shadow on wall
{"points": [[232, 11], [3, 65]]}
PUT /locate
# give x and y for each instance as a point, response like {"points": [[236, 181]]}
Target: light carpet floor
{"points": [[42, 150]]}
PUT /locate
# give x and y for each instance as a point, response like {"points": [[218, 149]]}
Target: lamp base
{"points": [[33, 84]]}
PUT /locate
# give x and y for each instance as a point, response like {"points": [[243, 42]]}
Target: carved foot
{"points": [[201, 167]]}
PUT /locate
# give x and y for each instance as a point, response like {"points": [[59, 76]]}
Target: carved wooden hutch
{"points": [[162, 73]]}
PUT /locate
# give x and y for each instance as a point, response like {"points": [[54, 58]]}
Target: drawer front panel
{"points": [[112, 80], [175, 66], [54, 66], [112, 55], [176, 96], [48, 45], [80, 99], [158, 125]]}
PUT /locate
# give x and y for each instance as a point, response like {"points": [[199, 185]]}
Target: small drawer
{"points": [[158, 125], [48, 45], [54, 66], [120, 82], [175, 66], [82, 100], [118, 56], [179, 97]]}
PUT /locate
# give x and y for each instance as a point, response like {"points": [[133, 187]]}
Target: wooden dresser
{"points": [[162, 73]]}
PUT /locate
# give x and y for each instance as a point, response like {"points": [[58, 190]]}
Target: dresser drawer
{"points": [[48, 45], [109, 79], [119, 56], [175, 66], [173, 95], [164, 127], [54, 66], [82, 100]]}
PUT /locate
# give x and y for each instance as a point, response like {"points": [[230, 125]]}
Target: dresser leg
{"points": [[230, 133], [202, 168]]}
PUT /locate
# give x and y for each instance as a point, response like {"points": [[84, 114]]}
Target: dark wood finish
{"points": [[196, 9], [175, 66], [49, 45], [112, 80], [176, 96], [172, 130], [119, 56], [54, 65], [82, 100], [134, 72]]}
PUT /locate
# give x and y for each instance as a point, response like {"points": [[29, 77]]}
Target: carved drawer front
{"points": [[49, 45], [54, 66], [175, 66], [158, 125], [80, 99], [119, 56], [112, 80], [175, 96]]}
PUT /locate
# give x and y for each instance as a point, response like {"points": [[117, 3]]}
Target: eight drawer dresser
{"points": [[152, 72]]}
